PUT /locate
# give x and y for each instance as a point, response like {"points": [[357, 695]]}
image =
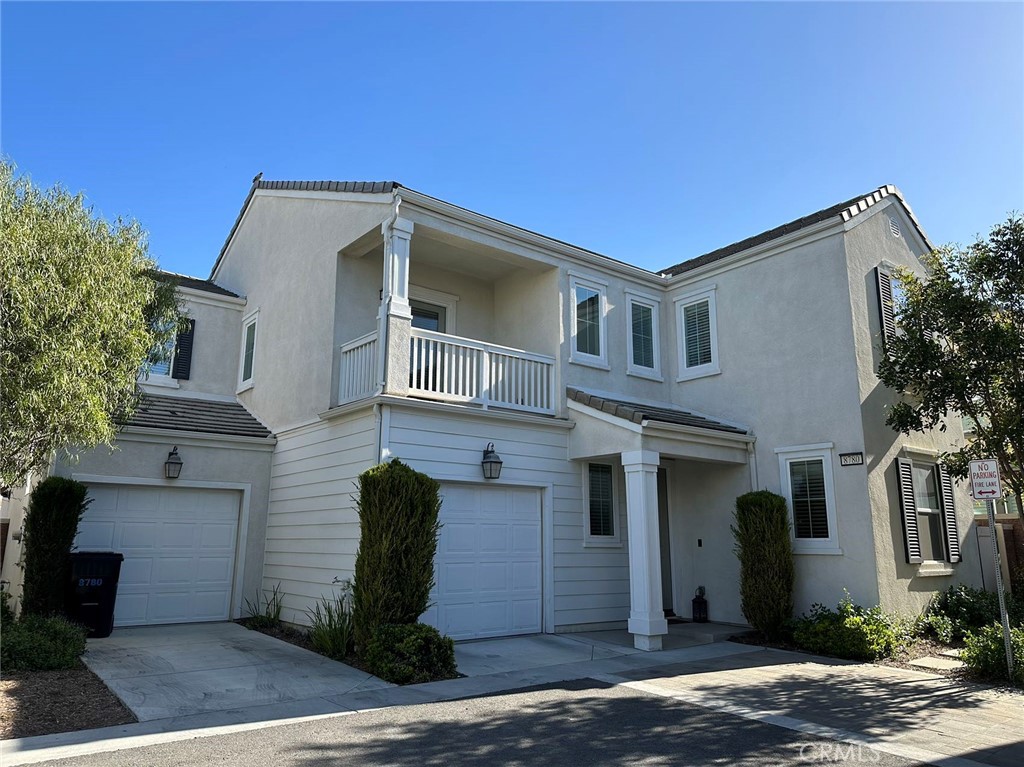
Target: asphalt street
{"points": [[579, 723]]}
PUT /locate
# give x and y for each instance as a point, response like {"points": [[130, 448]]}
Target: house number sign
{"points": [[851, 459]]}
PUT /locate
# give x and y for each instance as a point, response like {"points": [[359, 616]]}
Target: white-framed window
{"points": [[644, 343], [433, 309], [890, 298], [927, 505], [600, 493], [589, 330], [698, 334], [159, 371], [807, 484], [247, 361]]}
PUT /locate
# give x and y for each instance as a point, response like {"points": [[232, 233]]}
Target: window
{"points": [[930, 531], [698, 335], [601, 527], [427, 316], [890, 298], [588, 322], [248, 351], [806, 473], [644, 352], [173, 361]]}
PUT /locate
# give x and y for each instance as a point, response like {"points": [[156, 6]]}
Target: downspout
{"points": [[752, 463]]}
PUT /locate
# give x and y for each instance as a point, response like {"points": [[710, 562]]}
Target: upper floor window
{"points": [[806, 474], [644, 351], [589, 327], [698, 335], [890, 296], [248, 360], [172, 362]]}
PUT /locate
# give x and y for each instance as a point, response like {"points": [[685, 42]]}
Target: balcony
{"points": [[448, 368]]}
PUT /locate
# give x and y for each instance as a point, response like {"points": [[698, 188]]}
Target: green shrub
{"points": [[6, 612], [265, 610], [410, 654], [852, 631], [394, 573], [330, 629], [51, 523], [960, 610], [984, 652], [765, 551], [38, 643]]}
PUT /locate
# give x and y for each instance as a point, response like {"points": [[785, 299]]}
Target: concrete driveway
{"points": [[173, 671]]}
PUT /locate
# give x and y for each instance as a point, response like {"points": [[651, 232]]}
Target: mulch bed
{"points": [[284, 633], [45, 702]]}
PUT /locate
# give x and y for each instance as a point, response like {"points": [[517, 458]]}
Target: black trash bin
{"points": [[92, 589]]}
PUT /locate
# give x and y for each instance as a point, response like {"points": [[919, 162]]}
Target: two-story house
{"points": [[360, 322]]}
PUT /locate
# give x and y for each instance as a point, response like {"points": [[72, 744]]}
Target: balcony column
{"points": [[394, 318], [647, 621]]}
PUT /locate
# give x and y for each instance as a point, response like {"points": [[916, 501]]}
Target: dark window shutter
{"points": [[908, 508], [949, 515], [887, 315], [183, 354]]}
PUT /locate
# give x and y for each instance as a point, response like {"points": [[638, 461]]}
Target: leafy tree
{"points": [[960, 349], [80, 310]]}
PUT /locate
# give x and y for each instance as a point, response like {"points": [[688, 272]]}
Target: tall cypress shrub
{"points": [[55, 508], [765, 551], [398, 526]]}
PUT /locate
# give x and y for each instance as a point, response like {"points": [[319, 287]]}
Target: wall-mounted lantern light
{"points": [[173, 464], [491, 462]]}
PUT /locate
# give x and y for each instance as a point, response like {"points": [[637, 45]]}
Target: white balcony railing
{"points": [[453, 369], [358, 369]]}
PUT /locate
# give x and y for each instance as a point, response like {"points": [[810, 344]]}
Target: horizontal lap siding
{"points": [[312, 526], [590, 585]]}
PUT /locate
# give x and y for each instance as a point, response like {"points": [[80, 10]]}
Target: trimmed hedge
{"points": [[410, 654], [394, 573], [765, 551], [39, 643], [55, 508]]}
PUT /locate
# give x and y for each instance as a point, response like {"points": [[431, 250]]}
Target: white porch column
{"points": [[647, 621], [394, 318]]}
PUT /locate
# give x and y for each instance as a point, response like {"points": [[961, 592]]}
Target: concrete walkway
{"points": [[920, 716]]}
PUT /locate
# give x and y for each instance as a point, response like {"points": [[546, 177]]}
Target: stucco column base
{"points": [[647, 643]]}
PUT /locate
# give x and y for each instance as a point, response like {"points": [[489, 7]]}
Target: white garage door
{"points": [[488, 564], [178, 545]]}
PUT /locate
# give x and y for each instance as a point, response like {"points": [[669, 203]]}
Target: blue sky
{"points": [[648, 132]]}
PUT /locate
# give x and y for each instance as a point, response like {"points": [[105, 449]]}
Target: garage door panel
{"points": [[488, 564], [179, 548]]}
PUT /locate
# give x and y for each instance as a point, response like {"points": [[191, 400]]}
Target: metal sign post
{"points": [[985, 486]]}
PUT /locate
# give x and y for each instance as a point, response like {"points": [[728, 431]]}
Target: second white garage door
{"points": [[178, 545], [488, 564]]}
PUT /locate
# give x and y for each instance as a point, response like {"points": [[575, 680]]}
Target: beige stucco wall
{"points": [[284, 260], [215, 347], [901, 586]]}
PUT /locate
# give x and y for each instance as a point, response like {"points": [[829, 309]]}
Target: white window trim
{"points": [[681, 302], [578, 357], [654, 305], [250, 319], [601, 541], [823, 451], [930, 459], [449, 301], [149, 378]]}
